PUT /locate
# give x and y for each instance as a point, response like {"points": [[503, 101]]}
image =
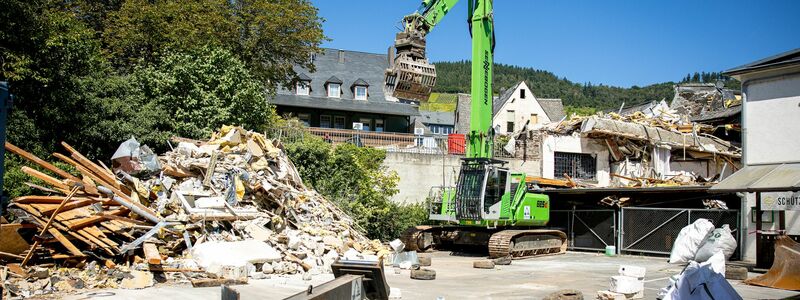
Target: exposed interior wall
{"points": [[575, 144]]}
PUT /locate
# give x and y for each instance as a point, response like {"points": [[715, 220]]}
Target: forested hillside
{"points": [[454, 77]]}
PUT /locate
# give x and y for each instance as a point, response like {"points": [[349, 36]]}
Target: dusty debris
{"points": [[236, 194], [567, 294]]}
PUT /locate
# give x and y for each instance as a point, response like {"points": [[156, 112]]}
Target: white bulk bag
{"points": [[720, 239], [689, 240]]}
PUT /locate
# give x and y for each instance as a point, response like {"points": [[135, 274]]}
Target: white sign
{"points": [[780, 201], [527, 213]]}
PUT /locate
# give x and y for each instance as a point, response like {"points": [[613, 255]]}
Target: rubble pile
{"points": [[641, 143], [229, 208]]}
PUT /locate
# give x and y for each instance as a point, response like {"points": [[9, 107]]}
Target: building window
{"points": [[338, 122], [379, 125], [325, 121], [334, 90], [366, 122], [361, 93], [305, 119], [575, 165], [303, 88], [509, 127], [534, 119], [522, 93]]}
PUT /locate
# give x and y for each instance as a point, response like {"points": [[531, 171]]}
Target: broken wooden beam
{"points": [[151, 254], [33, 158]]}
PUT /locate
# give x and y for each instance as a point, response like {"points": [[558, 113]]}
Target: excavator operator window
{"points": [[495, 188]]}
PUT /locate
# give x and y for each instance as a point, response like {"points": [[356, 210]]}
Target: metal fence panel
{"points": [[586, 229], [654, 230]]}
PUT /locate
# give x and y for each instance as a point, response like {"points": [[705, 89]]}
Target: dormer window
{"points": [[334, 90], [359, 89], [303, 88], [361, 93], [303, 85], [334, 87]]}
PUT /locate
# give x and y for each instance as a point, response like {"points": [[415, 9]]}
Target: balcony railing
{"points": [[393, 142]]}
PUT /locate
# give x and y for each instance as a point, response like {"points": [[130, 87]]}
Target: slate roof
{"points": [[303, 77], [436, 117], [367, 67], [553, 108], [360, 82], [500, 101], [334, 79], [786, 58]]}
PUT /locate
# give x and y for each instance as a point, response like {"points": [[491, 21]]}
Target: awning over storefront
{"points": [[762, 178]]}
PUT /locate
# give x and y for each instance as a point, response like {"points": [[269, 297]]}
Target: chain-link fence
{"points": [[587, 229], [654, 230]]}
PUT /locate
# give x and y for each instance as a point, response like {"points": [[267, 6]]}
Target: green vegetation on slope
{"points": [[441, 102], [454, 77]]}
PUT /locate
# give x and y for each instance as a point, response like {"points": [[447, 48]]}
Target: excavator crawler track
{"points": [[527, 243]]}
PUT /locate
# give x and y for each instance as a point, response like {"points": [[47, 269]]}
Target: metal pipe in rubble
{"points": [[131, 206]]}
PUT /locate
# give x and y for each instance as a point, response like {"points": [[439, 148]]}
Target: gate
{"points": [[587, 229], [654, 230]]}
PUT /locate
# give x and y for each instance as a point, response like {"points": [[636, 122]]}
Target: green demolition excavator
{"points": [[490, 205]]}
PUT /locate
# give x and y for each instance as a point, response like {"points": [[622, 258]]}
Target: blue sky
{"points": [[621, 43]]}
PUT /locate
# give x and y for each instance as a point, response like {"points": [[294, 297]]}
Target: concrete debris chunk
{"points": [[423, 274], [483, 264]]}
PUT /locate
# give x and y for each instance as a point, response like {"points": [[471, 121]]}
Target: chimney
{"points": [[341, 56]]}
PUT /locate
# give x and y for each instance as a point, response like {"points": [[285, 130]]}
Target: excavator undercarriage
{"points": [[516, 243]]}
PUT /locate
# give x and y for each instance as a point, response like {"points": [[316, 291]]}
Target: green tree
{"points": [[201, 90], [270, 37]]}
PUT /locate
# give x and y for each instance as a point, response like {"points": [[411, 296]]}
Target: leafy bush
{"points": [[354, 178]]}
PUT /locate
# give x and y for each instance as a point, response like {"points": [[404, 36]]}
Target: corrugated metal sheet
{"points": [[762, 178]]}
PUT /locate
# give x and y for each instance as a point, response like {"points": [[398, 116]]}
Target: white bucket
{"points": [[611, 250]]}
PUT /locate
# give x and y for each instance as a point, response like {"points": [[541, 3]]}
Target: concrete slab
{"points": [[457, 279]]}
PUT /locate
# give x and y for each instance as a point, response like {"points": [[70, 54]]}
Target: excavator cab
{"points": [[480, 189], [410, 76]]}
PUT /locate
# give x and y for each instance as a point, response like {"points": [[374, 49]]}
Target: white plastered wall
{"points": [[575, 144], [522, 108]]}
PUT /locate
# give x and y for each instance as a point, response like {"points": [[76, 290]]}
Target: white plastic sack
{"points": [[689, 240], [720, 239]]}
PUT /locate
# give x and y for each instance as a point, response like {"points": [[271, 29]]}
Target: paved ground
{"points": [[456, 279]]}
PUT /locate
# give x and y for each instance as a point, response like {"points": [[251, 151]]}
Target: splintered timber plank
{"points": [[83, 222], [83, 169], [45, 199], [73, 219], [97, 170], [33, 158], [151, 254], [44, 177], [111, 185], [64, 241], [38, 218]]}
